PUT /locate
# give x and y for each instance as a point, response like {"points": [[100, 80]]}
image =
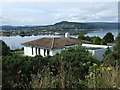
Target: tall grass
{"points": [[104, 77], [46, 79], [99, 77]]}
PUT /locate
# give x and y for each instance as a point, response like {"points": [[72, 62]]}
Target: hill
{"points": [[65, 25]]}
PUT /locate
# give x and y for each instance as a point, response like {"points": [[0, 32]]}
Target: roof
{"points": [[58, 42]]}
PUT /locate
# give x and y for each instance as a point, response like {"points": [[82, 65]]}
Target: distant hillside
{"points": [[65, 25]]}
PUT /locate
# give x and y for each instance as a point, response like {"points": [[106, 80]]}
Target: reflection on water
{"points": [[14, 42]]}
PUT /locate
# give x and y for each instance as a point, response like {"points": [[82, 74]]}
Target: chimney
{"points": [[67, 35]]}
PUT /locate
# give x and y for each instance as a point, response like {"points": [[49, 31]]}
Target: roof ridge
{"points": [[53, 42]]}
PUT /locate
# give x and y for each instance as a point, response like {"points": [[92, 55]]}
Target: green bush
{"points": [[15, 70], [74, 63], [81, 36]]}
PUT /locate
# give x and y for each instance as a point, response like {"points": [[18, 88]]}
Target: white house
{"points": [[50, 46]]}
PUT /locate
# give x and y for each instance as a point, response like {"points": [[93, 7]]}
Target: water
{"points": [[101, 33], [14, 42]]}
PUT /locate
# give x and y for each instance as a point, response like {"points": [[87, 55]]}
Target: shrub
{"points": [[15, 70]]}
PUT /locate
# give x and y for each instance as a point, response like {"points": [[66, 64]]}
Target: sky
{"points": [[48, 13]]}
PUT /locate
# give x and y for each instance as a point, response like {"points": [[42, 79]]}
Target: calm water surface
{"points": [[101, 33], [14, 42]]}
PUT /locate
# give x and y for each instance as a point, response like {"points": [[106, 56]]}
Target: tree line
{"points": [[108, 38]]}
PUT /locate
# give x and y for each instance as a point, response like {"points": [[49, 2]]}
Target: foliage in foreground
{"points": [[70, 64], [17, 70], [72, 68], [102, 76]]}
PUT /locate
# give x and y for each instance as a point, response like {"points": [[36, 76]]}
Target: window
{"points": [[32, 50], [44, 52], [48, 52], [36, 50], [39, 51]]}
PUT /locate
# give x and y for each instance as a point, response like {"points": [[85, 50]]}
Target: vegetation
{"points": [[81, 36], [58, 67], [108, 38], [97, 41], [107, 74], [113, 57], [102, 76], [5, 50], [72, 68]]}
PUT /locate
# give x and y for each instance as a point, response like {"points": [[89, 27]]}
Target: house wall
{"points": [[28, 51], [42, 52], [98, 53], [55, 51]]}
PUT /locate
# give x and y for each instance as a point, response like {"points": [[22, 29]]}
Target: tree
{"points": [[113, 57], [5, 50], [81, 36], [88, 38], [76, 59], [97, 41], [103, 42], [108, 37]]}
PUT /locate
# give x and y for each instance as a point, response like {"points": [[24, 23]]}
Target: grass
{"points": [[18, 51], [104, 77], [99, 77]]}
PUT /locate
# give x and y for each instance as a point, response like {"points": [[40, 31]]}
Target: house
{"points": [[50, 46], [97, 50]]}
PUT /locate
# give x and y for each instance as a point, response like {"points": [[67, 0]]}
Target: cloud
{"points": [[45, 13]]}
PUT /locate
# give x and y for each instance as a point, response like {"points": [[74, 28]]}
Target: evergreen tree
{"points": [[108, 37]]}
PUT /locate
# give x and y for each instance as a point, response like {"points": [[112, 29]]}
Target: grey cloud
{"points": [[49, 13]]}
